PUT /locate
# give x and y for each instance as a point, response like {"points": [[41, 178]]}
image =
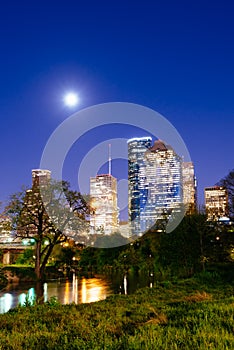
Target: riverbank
{"points": [[186, 314], [3, 281], [16, 274]]}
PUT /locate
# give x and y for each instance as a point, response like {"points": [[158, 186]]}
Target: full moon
{"points": [[71, 99]]}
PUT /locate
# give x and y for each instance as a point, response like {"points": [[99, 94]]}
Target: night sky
{"points": [[176, 57]]}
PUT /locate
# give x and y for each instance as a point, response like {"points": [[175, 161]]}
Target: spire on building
{"points": [[109, 160]]}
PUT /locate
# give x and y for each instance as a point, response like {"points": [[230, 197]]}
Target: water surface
{"points": [[78, 290]]}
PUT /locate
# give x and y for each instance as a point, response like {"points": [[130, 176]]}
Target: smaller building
{"points": [[189, 187], [5, 229], [216, 202], [40, 177], [103, 194]]}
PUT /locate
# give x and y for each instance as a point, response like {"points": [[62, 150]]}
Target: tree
{"points": [[64, 256], [47, 214], [185, 249], [110, 241], [88, 259], [26, 257], [220, 242], [228, 182]]}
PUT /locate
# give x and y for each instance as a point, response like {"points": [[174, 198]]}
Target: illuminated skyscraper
{"points": [[189, 187], [216, 200], [137, 182], [164, 174], [103, 193], [155, 183]]}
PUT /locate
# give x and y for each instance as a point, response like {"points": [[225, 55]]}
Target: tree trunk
{"points": [[39, 292], [45, 260], [202, 251], [38, 260]]}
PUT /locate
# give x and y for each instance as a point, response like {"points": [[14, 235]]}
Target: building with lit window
{"points": [[155, 183], [216, 202], [189, 187], [137, 182], [40, 177], [5, 229], [103, 193]]}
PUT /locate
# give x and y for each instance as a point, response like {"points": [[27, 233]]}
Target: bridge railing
{"points": [[13, 246]]}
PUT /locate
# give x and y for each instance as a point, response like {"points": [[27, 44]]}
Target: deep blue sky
{"points": [[176, 57]]}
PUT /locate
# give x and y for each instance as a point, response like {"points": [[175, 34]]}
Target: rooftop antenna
{"points": [[109, 159]]}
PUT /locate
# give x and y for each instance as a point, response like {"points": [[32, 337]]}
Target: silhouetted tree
{"points": [[228, 182], [184, 249], [47, 215]]}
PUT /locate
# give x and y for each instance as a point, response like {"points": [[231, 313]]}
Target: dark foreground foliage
{"points": [[3, 280], [187, 314]]}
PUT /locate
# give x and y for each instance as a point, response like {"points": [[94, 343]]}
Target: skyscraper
{"points": [[189, 187], [137, 182], [155, 183], [103, 193], [216, 201]]}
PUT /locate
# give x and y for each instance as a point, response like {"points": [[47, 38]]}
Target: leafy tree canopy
{"points": [[228, 182], [48, 215]]}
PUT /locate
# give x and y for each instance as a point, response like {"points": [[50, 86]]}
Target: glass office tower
{"points": [[137, 182], [155, 183]]}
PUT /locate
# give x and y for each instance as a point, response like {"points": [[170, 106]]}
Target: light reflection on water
{"points": [[6, 302], [76, 291]]}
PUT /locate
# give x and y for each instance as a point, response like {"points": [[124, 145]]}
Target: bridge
{"points": [[11, 248]]}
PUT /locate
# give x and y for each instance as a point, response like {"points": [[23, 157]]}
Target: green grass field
{"points": [[187, 314]]}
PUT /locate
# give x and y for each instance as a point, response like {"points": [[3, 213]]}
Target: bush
{"points": [[26, 258], [208, 277], [25, 274], [3, 280]]}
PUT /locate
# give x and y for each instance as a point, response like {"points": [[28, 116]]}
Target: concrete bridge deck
{"points": [[9, 249], [12, 246]]}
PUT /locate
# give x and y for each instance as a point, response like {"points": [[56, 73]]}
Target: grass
{"points": [[177, 315]]}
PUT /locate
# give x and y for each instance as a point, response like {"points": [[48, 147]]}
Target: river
{"points": [[77, 290]]}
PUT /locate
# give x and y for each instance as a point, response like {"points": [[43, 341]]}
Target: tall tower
{"points": [[164, 174], [103, 193], [216, 201], [137, 182], [155, 183], [189, 187]]}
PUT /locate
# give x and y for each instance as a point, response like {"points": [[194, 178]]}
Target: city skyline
{"points": [[174, 58], [164, 182], [188, 176], [160, 183]]}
